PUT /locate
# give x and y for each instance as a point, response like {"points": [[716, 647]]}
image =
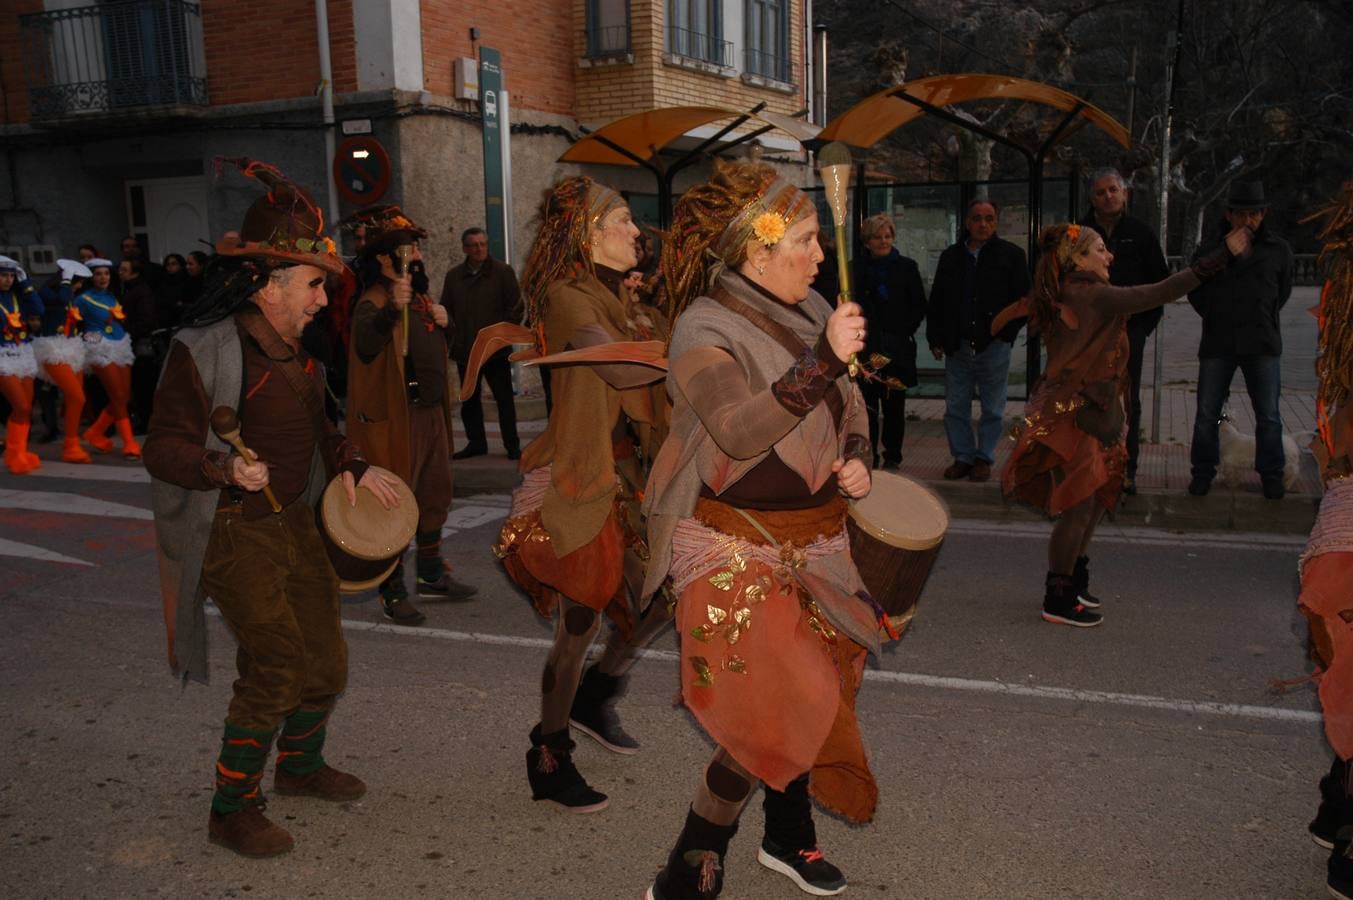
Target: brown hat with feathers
{"points": [[386, 228], [285, 225]]}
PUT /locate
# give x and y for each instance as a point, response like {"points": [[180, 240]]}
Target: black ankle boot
{"points": [[1081, 575], [1061, 606], [790, 844], [553, 777], [694, 869], [1336, 804], [594, 712]]}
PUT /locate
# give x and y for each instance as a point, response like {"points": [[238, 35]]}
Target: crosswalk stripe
{"points": [[30, 551], [130, 474], [75, 504]]}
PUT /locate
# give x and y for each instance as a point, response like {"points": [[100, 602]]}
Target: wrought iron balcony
{"points": [[767, 65], [704, 47], [119, 56]]}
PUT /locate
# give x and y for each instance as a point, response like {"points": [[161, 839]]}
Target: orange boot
{"points": [[72, 452], [130, 448], [96, 434], [17, 457]]}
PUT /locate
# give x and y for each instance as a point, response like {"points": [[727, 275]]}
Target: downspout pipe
{"points": [[326, 82]]}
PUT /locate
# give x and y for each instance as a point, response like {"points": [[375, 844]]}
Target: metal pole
{"points": [[820, 75], [1171, 60], [326, 77]]}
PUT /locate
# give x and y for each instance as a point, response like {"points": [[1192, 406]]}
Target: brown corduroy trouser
{"points": [[272, 581]]}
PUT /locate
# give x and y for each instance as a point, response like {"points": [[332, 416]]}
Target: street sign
{"points": [[361, 170], [490, 85]]}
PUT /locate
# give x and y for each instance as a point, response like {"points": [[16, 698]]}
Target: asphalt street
{"points": [[1151, 757]]}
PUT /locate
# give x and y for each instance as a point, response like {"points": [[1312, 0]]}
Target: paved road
{"points": [[1147, 758]]}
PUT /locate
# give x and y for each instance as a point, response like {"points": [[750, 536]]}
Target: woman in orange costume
{"points": [[573, 540], [61, 353], [21, 309], [1070, 456], [747, 510], [1327, 564], [108, 354]]}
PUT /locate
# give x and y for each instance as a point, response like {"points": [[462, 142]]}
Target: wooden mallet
{"points": [[226, 424]]}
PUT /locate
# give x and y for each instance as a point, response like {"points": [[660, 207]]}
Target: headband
{"points": [[600, 201], [765, 218]]}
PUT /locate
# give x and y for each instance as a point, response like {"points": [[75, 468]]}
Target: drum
{"points": [[366, 541], [895, 534]]}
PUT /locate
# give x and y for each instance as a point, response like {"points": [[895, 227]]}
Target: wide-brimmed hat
{"points": [[285, 225], [386, 228], [1246, 195]]}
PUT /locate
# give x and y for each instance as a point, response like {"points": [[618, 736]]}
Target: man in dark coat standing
{"points": [[974, 280], [480, 292], [1137, 259], [1240, 330]]}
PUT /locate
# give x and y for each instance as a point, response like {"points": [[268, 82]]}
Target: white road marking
{"points": [[130, 474], [75, 504], [1222, 540], [911, 679], [31, 551]]}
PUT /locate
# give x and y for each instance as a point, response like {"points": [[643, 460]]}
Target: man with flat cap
{"points": [[1240, 311]]}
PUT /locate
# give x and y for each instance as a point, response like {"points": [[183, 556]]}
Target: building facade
{"points": [[115, 113]]}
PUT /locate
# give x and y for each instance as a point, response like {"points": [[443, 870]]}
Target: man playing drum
{"points": [[399, 406], [241, 528]]}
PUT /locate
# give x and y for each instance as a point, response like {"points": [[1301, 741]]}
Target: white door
{"points": [[168, 215]]}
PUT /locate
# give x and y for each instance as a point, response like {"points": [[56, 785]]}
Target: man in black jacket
{"points": [[975, 279], [1240, 330], [1137, 259]]}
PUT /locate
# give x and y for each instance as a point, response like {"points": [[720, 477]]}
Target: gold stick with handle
{"points": [[403, 253], [833, 165]]}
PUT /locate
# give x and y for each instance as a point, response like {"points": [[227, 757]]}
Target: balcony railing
{"points": [[606, 42], [115, 57], [767, 65], [704, 47]]}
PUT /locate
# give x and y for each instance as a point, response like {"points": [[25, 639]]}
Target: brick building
{"points": [[113, 113]]}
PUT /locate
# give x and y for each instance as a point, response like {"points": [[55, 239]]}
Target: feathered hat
{"points": [[285, 225]]}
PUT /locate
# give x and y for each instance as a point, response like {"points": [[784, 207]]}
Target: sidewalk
{"points": [[1163, 468]]}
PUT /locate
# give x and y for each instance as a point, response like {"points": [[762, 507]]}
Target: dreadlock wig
{"points": [[227, 284], [1334, 360], [713, 223], [1058, 247], [569, 214]]}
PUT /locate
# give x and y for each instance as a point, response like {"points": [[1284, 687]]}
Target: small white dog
{"points": [[1237, 455]]}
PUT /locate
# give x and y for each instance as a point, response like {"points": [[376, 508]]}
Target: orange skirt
{"points": [[592, 575], [1056, 466], [773, 683], [1327, 602]]}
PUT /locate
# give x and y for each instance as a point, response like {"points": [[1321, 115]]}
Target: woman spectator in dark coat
{"points": [[888, 287]]}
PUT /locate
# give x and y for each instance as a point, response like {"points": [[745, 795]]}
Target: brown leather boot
{"points": [[324, 784], [249, 833]]}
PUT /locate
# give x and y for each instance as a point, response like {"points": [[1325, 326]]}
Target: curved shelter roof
{"points": [[875, 117], [645, 134]]}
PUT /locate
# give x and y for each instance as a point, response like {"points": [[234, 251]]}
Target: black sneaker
{"points": [[808, 869], [553, 777], [401, 611], [1061, 606], [1324, 828], [1081, 577], [1077, 615], [1199, 486], [1273, 489], [1339, 869], [445, 588]]}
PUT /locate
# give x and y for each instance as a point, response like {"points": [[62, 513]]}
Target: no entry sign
{"points": [[361, 170]]}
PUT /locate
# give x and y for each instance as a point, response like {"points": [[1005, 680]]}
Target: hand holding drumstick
{"points": [[245, 470]]}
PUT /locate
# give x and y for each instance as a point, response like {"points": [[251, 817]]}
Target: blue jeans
{"points": [[1263, 381], [988, 372]]}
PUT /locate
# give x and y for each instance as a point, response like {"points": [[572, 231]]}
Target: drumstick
{"points": [[226, 424]]}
